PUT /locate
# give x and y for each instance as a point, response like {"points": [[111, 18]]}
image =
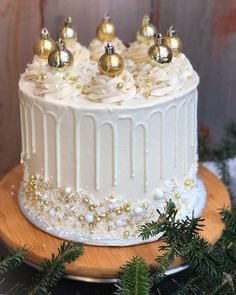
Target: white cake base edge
{"points": [[199, 206]]}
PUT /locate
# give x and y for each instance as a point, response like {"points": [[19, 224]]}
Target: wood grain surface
{"points": [[97, 262], [208, 30]]}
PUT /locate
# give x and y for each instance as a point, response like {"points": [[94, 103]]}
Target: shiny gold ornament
{"points": [[106, 30], [159, 53], [44, 45], [61, 58], [147, 31], [110, 64], [173, 41], [67, 33]]}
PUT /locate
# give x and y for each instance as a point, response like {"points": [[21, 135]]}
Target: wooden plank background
{"points": [[208, 29]]}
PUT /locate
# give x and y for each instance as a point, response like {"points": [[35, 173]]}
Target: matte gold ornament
{"points": [[159, 53], [61, 58], [147, 31], [173, 41], [110, 64], [44, 45], [67, 33], [106, 30]]}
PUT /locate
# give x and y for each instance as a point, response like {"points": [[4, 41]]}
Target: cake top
{"points": [[108, 74]]}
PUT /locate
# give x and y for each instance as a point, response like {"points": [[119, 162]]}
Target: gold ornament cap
{"points": [[173, 41], [159, 53], [106, 30], [110, 64], [61, 58], [44, 45], [147, 31], [67, 32]]}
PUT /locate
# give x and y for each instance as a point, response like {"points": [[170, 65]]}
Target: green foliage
{"points": [[53, 270], [134, 278], [13, 260]]}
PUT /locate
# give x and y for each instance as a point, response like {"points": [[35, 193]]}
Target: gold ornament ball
{"points": [[106, 30], [44, 45], [110, 64], [147, 31], [61, 58], [173, 41], [159, 53], [67, 33]]}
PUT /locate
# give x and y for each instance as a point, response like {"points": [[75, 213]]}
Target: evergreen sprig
{"points": [[53, 270], [13, 260], [134, 278]]}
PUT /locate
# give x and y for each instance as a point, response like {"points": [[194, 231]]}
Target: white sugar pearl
{"points": [[52, 212], [67, 190], [158, 194], [138, 211], [119, 223], [89, 217], [114, 205]]}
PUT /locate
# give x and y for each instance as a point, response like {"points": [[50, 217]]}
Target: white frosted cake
{"points": [[105, 145]]}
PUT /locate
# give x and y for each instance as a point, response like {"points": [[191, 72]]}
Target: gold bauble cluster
{"points": [[61, 58], [159, 52], [173, 41], [147, 31], [110, 63], [67, 33], [44, 45], [106, 30]]}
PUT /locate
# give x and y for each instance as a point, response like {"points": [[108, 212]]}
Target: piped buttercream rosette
{"points": [[97, 46], [137, 52], [51, 84], [163, 79], [104, 89], [80, 53]]}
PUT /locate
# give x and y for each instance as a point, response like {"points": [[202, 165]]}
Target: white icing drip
{"points": [[58, 153], [45, 146], [27, 132], [22, 117], [33, 129], [97, 48], [105, 90]]}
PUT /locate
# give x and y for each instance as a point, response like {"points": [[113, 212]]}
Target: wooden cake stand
{"points": [[97, 263]]}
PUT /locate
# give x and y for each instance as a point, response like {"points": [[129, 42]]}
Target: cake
{"points": [[104, 145]]}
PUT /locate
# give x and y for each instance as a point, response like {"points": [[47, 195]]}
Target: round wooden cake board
{"points": [[98, 264]]}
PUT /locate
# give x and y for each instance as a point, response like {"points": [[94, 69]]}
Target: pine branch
{"points": [[134, 278], [12, 261], [53, 270]]}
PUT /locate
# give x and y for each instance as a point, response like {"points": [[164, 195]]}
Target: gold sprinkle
{"points": [[81, 217], [177, 196], [126, 234], [86, 89], [119, 211], [91, 207], [51, 185], [93, 79], [187, 182], [32, 177], [57, 209], [86, 200], [119, 85], [75, 198], [192, 183], [59, 220], [46, 203], [98, 218]]}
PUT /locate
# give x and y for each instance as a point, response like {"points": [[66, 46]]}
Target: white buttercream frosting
{"points": [[163, 79], [138, 52], [97, 48], [106, 90], [52, 84], [80, 53]]}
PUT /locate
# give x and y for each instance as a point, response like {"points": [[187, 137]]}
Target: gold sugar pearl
{"points": [[81, 217], [147, 94], [59, 220], [187, 182], [93, 79], [91, 207], [86, 89], [98, 218], [119, 211], [126, 234], [43, 77], [46, 203], [127, 207], [51, 185], [119, 85], [57, 209], [78, 86], [86, 200], [177, 196], [93, 224], [192, 183], [36, 198], [32, 177], [103, 215], [125, 78]]}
